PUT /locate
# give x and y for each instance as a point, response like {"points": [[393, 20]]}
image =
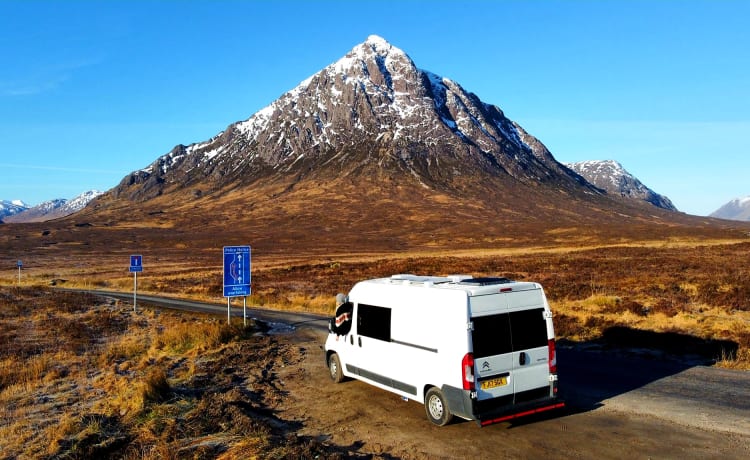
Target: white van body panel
{"points": [[423, 336], [410, 333]]}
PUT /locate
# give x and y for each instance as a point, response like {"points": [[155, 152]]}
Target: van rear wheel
{"points": [[334, 368], [437, 408]]}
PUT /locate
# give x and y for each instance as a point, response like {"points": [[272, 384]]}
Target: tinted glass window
{"points": [[529, 329], [374, 322], [491, 335]]}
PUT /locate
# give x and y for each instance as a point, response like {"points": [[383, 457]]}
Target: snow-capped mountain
{"points": [[372, 113], [10, 208], [53, 209], [737, 209], [371, 151], [81, 201], [611, 177]]}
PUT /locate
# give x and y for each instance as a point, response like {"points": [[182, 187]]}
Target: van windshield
{"points": [[507, 332]]}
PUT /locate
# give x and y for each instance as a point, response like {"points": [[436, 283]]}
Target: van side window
{"points": [[374, 322], [491, 335], [529, 329]]}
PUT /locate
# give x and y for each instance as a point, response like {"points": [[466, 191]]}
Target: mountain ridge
{"points": [[612, 177], [53, 209], [11, 207], [736, 209]]}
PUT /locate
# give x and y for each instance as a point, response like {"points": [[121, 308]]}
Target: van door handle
{"points": [[359, 340], [522, 359]]}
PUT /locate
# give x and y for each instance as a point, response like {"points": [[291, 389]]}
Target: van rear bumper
{"points": [[497, 410]]}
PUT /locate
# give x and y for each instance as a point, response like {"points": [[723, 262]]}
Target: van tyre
{"points": [[334, 368], [436, 407]]}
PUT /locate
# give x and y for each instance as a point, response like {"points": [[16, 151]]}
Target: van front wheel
{"points": [[334, 367], [436, 407]]}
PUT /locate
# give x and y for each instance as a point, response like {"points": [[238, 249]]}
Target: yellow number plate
{"points": [[493, 383]]}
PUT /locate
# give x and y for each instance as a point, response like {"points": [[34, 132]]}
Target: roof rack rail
{"points": [[486, 281]]}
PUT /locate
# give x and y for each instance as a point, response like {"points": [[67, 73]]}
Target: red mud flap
{"points": [[558, 405]]}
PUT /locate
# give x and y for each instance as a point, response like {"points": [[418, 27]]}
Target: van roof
{"points": [[467, 283]]}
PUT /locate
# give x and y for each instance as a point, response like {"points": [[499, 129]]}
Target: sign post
{"points": [[20, 266], [236, 277], [136, 265]]}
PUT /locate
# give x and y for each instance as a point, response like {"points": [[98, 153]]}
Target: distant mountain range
{"points": [[611, 177], [737, 209], [17, 211]]}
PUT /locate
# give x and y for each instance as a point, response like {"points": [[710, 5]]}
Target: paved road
{"points": [[693, 396], [276, 319]]}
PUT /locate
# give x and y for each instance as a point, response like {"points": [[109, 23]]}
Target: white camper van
{"points": [[479, 348]]}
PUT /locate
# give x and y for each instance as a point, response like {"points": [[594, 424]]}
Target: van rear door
{"points": [[530, 352], [510, 345], [493, 356]]}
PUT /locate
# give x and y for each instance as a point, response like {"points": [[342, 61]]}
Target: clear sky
{"points": [[92, 90]]}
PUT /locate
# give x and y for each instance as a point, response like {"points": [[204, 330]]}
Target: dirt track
{"points": [[630, 420]]}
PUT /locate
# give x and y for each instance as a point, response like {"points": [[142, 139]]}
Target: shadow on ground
{"points": [[626, 359]]}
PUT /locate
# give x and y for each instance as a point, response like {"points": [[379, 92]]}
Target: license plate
{"points": [[493, 383]]}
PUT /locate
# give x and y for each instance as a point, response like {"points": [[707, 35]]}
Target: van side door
{"points": [[372, 343]]}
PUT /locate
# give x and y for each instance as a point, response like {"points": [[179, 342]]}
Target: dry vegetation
{"points": [[694, 295], [84, 378], [693, 299]]}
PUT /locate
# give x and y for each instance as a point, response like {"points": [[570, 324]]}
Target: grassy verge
{"points": [[84, 379]]}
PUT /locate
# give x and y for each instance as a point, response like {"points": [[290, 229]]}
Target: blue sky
{"points": [[90, 91]]}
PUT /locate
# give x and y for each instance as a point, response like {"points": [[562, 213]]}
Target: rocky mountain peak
{"points": [[371, 112], [736, 209], [610, 176], [11, 207]]}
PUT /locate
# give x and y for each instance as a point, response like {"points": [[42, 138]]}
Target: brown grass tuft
{"points": [[156, 388]]}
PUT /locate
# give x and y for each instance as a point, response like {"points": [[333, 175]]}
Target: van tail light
{"points": [[552, 357], [467, 371]]}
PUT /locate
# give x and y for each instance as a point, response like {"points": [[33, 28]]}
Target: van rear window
{"points": [[507, 332], [491, 335], [529, 329]]}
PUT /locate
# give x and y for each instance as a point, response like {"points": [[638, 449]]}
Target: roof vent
{"points": [[403, 276], [458, 278]]}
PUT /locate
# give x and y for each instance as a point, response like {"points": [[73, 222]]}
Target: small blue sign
{"points": [[20, 264], [236, 271], [136, 264]]}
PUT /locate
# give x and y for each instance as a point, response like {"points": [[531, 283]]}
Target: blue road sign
{"points": [[236, 271], [20, 264], [136, 264]]}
